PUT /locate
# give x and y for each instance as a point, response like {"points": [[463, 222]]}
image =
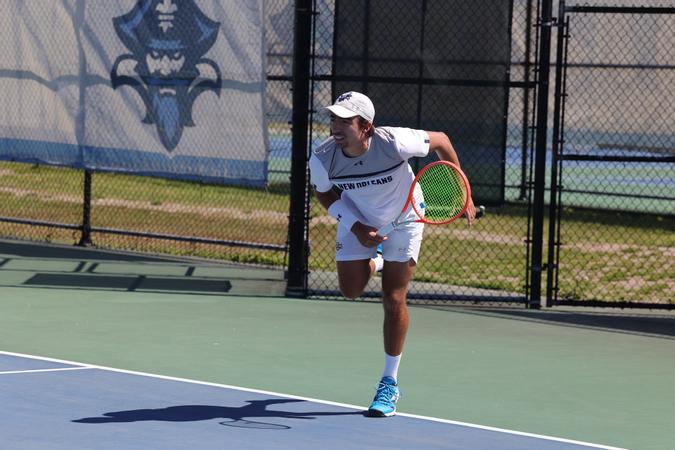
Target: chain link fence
{"points": [[452, 92], [133, 212], [477, 89], [615, 155]]}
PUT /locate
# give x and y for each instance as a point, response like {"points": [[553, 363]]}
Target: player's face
{"points": [[347, 132]]}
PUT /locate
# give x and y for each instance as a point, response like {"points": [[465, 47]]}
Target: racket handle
{"points": [[480, 211], [386, 229]]}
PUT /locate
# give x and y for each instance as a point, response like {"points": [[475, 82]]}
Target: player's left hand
{"points": [[470, 213]]}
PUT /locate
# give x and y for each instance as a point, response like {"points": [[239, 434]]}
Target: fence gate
{"points": [[613, 154]]}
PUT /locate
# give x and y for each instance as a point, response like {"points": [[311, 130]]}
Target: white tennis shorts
{"points": [[401, 244]]}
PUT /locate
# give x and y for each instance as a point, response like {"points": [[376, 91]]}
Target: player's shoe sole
{"points": [[378, 413]]}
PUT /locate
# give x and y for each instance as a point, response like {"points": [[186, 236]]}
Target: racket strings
{"points": [[445, 193]]}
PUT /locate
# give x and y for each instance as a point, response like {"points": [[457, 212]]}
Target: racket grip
{"points": [[386, 229], [480, 211]]}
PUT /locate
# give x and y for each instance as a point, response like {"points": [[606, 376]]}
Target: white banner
{"points": [[172, 88]]}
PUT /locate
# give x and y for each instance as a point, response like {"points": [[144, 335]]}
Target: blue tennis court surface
{"points": [[53, 404]]}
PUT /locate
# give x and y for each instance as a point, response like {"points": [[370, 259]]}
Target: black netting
{"points": [[434, 65]]}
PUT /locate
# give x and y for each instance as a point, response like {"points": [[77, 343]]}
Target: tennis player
{"points": [[369, 167]]}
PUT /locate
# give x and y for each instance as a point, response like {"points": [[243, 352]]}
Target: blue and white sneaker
{"points": [[386, 396]]}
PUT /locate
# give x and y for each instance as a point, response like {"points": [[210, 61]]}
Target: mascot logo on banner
{"points": [[166, 65]]}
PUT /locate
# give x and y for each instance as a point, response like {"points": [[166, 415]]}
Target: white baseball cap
{"points": [[351, 104]]}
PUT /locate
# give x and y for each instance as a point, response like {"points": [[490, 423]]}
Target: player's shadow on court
{"points": [[235, 416]]}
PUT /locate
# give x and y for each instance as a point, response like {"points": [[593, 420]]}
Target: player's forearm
{"points": [[337, 208], [440, 143]]}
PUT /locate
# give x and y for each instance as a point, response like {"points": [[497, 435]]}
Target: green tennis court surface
{"points": [[594, 377]]}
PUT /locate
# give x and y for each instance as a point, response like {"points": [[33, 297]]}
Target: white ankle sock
{"points": [[379, 263], [391, 366]]}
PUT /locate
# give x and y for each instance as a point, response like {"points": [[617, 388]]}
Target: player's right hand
{"points": [[367, 235]]}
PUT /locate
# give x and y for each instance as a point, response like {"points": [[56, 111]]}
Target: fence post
{"points": [[85, 238], [296, 285], [526, 102], [556, 148], [536, 266]]}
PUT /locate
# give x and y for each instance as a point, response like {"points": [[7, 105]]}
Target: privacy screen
{"points": [[438, 65]]}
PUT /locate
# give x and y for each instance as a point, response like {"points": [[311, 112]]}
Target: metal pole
{"points": [[296, 285], [540, 154], [556, 146], [526, 103], [85, 239]]}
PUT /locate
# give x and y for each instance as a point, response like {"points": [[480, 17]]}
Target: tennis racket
{"points": [[446, 196]]}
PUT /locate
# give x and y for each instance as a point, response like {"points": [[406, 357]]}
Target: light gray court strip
{"points": [[60, 369]]}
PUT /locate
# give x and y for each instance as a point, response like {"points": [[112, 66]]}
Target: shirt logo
{"points": [[365, 183]]}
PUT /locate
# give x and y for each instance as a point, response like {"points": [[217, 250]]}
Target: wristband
{"points": [[341, 212]]}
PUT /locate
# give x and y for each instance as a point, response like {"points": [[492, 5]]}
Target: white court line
{"points": [[324, 402], [59, 369]]}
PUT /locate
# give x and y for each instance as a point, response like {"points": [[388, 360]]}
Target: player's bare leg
{"points": [[353, 276], [395, 279]]}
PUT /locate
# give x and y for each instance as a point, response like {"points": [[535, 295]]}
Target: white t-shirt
{"points": [[375, 184]]}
